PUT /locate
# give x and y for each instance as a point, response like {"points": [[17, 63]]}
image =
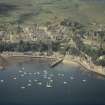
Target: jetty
{"points": [[55, 63]]}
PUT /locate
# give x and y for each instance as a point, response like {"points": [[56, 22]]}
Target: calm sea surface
{"points": [[36, 84]]}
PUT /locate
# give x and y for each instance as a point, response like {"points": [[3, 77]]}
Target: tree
{"points": [[20, 46]]}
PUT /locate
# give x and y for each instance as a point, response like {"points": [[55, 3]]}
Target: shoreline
{"points": [[69, 59], [70, 62], [12, 59], [75, 60]]}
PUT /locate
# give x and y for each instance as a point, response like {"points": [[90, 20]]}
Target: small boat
{"points": [[29, 84], [20, 71], [1, 81], [22, 75], [22, 87], [51, 80], [48, 85], [22, 68], [38, 73], [34, 73], [59, 74], [72, 78], [62, 75], [39, 83], [65, 82], [14, 78], [45, 71], [35, 80], [25, 73], [83, 80], [29, 80]]}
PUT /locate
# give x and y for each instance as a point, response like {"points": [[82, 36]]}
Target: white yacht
{"points": [[48, 85], [39, 83], [51, 80], [65, 82], [62, 75], [34, 73], [29, 80], [35, 80], [25, 73], [22, 75], [23, 87], [1, 81], [38, 73], [20, 71], [14, 78], [83, 80], [29, 84], [72, 78], [45, 72]]}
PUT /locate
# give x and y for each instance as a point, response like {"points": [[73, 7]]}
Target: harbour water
{"points": [[36, 84]]}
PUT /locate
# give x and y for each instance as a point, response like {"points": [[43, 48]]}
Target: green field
{"points": [[43, 11]]}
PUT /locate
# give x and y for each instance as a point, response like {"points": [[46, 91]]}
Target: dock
{"points": [[58, 61]]}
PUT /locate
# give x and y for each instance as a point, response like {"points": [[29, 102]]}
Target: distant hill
{"points": [[43, 11]]}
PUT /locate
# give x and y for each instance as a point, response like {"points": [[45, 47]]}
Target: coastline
{"points": [[76, 61], [12, 58], [68, 59], [71, 62]]}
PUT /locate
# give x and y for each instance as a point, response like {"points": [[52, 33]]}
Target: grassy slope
{"points": [[42, 11]]}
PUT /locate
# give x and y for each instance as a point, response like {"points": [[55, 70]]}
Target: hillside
{"points": [[42, 11]]}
